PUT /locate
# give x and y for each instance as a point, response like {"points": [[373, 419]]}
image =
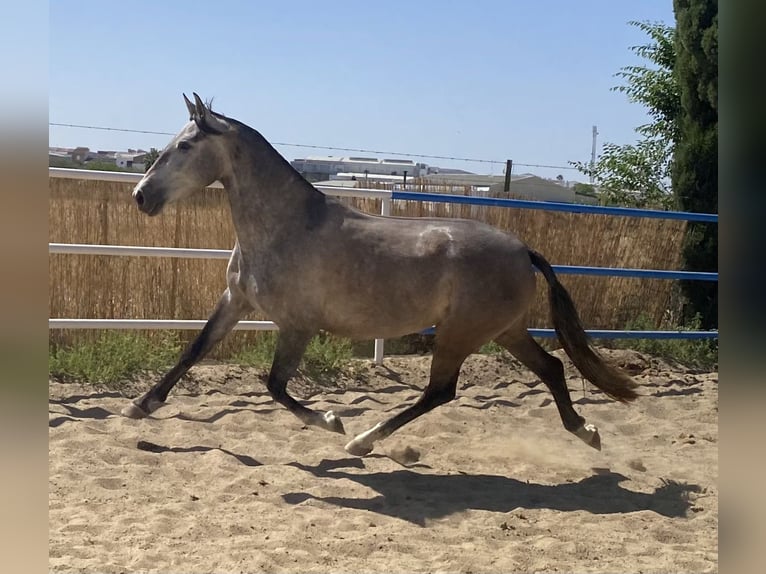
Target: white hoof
{"points": [[363, 443], [333, 423], [133, 411], [588, 433], [358, 447]]}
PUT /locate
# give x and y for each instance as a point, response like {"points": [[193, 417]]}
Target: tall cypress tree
{"points": [[695, 165]]}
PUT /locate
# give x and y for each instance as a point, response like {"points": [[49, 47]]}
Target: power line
{"points": [[110, 129], [324, 147]]}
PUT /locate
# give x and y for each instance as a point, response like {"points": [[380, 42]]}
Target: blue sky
{"points": [[493, 80]]}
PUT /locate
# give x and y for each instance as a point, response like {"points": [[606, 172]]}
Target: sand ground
{"points": [[224, 480]]}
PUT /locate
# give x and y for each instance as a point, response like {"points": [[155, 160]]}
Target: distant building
{"points": [[323, 167], [368, 177], [532, 187], [131, 160], [522, 186]]}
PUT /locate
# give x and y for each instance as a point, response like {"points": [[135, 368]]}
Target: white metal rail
{"points": [[127, 177]]}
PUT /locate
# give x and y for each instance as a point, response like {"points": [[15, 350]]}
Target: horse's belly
{"points": [[380, 317], [379, 328]]}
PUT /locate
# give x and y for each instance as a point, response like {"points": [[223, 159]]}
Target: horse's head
{"points": [[189, 163]]}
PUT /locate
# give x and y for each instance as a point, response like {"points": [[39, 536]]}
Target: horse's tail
{"points": [[569, 329]]}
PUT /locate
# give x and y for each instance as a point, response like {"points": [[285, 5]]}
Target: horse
{"points": [[311, 264]]}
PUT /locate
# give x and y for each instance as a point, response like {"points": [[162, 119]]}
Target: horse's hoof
{"points": [[588, 433], [133, 411], [333, 423], [358, 448]]}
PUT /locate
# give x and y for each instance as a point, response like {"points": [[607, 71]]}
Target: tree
{"points": [[638, 175], [150, 158], [101, 165], [695, 168]]}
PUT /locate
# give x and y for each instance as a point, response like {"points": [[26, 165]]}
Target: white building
{"points": [[322, 167], [133, 160]]}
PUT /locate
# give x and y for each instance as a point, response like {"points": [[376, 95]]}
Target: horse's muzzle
{"points": [[145, 203], [138, 195]]}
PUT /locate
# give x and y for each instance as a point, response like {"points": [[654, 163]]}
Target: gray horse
{"points": [[310, 263]]}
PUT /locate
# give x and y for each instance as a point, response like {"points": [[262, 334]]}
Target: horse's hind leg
{"points": [[551, 372], [229, 310], [445, 369], [290, 348]]}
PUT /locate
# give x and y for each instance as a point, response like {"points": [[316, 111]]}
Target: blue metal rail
{"points": [[618, 334], [554, 206], [642, 273]]}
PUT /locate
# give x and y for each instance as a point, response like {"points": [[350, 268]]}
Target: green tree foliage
{"points": [[151, 157], [695, 169], [102, 165], [62, 162], [638, 175]]}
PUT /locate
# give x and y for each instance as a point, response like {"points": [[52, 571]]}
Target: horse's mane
{"points": [[209, 106], [253, 134]]}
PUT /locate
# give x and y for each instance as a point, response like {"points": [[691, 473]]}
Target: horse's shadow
{"points": [[76, 414], [417, 497], [158, 448]]}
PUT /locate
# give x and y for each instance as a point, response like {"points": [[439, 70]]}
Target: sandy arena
{"points": [[224, 480]]}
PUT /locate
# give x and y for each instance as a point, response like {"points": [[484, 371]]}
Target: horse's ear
{"points": [[206, 120], [200, 105], [190, 107]]}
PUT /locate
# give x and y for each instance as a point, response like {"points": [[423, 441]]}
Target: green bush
{"points": [[491, 348], [324, 355], [112, 357], [327, 354], [701, 353], [259, 354]]}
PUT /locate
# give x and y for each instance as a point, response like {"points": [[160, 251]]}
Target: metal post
{"points": [[593, 154], [379, 351], [508, 168], [385, 206], [385, 209]]}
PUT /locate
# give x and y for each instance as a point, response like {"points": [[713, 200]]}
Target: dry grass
{"points": [[83, 286]]}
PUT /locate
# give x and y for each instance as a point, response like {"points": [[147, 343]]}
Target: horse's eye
{"points": [[183, 145]]}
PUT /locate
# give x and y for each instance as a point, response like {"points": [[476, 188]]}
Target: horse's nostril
{"points": [[139, 197]]}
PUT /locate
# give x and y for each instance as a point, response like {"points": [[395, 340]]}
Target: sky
{"points": [[480, 79]]}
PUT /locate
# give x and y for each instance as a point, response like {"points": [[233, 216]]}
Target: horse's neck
{"points": [[267, 197]]}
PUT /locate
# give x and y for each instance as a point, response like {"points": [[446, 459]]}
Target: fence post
{"points": [[385, 209], [385, 206], [508, 169]]}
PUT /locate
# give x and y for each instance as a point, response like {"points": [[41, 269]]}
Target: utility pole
{"points": [[593, 153]]}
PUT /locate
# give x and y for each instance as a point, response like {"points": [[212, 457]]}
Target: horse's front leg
{"points": [[231, 307], [291, 345]]}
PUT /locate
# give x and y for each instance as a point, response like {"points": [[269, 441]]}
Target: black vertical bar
{"points": [[508, 167]]}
